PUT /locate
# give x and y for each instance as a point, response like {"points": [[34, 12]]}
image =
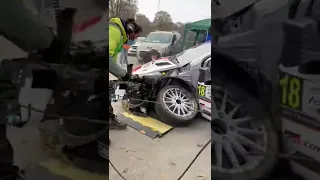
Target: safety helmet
{"points": [[132, 26]]}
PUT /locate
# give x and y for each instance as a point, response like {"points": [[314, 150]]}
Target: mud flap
{"points": [[145, 125]]}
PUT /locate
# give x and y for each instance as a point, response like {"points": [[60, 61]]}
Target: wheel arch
{"points": [[228, 66], [170, 81]]}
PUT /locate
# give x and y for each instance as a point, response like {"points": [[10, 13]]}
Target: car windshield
{"points": [[159, 38]]}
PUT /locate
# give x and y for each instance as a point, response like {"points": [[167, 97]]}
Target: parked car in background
{"points": [[160, 43], [133, 49]]}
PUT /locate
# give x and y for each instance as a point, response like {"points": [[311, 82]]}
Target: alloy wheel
{"points": [[239, 140], [178, 103]]}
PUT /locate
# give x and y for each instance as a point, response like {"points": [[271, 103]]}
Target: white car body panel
{"points": [[191, 57], [153, 66]]}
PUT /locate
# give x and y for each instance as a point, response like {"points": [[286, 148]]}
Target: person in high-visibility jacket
{"points": [[120, 33]]}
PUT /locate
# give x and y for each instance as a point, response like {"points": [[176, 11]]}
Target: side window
{"points": [[174, 39]]}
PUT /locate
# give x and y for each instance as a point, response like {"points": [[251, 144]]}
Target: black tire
{"points": [[261, 116], [168, 117]]}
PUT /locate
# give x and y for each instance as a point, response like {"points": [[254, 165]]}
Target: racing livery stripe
{"points": [[306, 161], [300, 118], [205, 99], [87, 24]]}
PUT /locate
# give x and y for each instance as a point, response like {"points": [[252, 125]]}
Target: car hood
{"points": [[161, 65], [155, 67], [136, 44], [148, 46], [183, 60], [176, 61]]}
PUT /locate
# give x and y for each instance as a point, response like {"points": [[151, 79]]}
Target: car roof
{"points": [[195, 53]]}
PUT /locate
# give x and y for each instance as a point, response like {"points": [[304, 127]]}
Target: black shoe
{"points": [[114, 124]]}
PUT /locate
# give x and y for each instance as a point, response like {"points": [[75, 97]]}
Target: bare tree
{"points": [[123, 8], [163, 21], [145, 23]]}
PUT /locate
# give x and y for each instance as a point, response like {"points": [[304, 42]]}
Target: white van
{"points": [[165, 42], [133, 49]]}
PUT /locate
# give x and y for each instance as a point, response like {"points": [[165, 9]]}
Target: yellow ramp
{"points": [[145, 124]]}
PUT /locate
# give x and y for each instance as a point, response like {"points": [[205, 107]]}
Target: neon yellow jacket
{"points": [[116, 39]]}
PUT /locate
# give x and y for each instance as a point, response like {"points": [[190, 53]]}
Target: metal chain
{"points": [[29, 108], [149, 101], [280, 155], [287, 156]]}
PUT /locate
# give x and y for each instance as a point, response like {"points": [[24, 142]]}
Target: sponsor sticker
{"points": [[313, 101]]}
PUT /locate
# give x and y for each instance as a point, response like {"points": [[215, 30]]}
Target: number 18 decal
{"points": [[202, 90], [291, 91]]}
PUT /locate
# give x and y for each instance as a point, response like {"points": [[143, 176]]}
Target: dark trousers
{"points": [[111, 114], [101, 88]]}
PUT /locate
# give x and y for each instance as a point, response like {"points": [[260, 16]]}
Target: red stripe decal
{"points": [[87, 24]]}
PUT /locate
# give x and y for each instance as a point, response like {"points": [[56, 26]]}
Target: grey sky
{"points": [[180, 10]]}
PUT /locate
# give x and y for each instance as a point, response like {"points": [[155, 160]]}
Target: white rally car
{"points": [[188, 62], [172, 82]]}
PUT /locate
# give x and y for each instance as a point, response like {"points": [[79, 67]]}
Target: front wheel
{"points": [[244, 141], [176, 106]]}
